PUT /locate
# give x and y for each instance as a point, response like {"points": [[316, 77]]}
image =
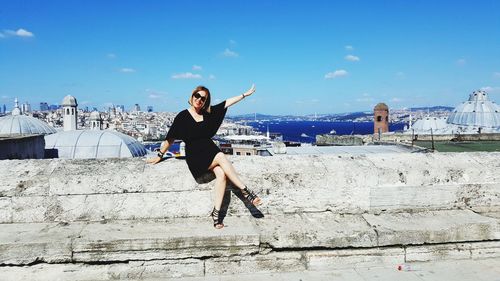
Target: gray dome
{"points": [[23, 125], [427, 123], [69, 101], [477, 111], [84, 144], [95, 116]]}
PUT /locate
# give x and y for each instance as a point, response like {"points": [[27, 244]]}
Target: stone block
{"points": [[458, 251], [273, 262], [433, 227], [353, 258], [170, 239], [312, 230], [484, 250], [27, 243], [5, 210]]}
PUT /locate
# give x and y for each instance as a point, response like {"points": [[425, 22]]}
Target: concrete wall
{"points": [[22, 147]]}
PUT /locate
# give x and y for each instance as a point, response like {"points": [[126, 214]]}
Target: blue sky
{"points": [[304, 57]]}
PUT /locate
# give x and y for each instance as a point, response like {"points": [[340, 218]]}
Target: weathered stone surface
{"points": [[433, 227], [139, 270], [349, 258], [485, 250], [97, 207], [25, 177], [274, 262], [5, 210], [27, 243], [310, 230], [171, 239], [439, 252]]}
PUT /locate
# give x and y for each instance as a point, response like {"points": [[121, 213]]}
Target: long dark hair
{"points": [[206, 105]]}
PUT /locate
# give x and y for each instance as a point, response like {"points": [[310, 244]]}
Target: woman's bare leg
{"points": [[220, 186], [221, 160]]}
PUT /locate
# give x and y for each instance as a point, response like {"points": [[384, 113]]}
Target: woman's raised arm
{"points": [[233, 100]]}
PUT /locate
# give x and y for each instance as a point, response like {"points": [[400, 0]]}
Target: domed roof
{"points": [[427, 123], [95, 116], [69, 101], [381, 106], [477, 111], [23, 125], [84, 144]]}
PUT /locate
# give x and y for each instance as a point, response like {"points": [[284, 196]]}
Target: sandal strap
{"points": [[216, 217], [249, 195]]}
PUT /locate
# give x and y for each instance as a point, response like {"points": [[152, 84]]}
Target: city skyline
{"points": [[304, 57]]}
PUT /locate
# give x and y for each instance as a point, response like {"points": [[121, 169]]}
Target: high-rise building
{"points": [[150, 108], [137, 108], [54, 107], [25, 107], [44, 106], [3, 109]]}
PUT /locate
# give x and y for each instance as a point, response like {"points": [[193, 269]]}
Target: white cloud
{"points": [[5, 97], [400, 75], [154, 96], [491, 90], [127, 70], [461, 62], [351, 58], [111, 56], [349, 48], [365, 98], [335, 74], [197, 67], [1, 35], [232, 43], [315, 100], [211, 77], [229, 53], [186, 75], [21, 32], [496, 74], [396, 100]]}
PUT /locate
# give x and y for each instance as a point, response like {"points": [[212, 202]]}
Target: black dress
{"points": [[200, 149]]}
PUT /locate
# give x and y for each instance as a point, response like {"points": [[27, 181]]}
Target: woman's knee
{"points": [[219, 173]]}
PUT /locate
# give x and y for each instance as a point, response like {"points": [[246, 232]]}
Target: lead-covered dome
{"points": [[69, 100], [12, 125], [84, 144], [425, 124], [478, 111]]}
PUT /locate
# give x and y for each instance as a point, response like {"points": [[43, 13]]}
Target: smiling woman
{"points": [[196, 126]]}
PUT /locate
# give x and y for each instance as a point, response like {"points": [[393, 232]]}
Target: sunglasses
{"points": [[198, 96]]}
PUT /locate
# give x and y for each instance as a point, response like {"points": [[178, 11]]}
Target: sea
{"points": [[306, 131]]}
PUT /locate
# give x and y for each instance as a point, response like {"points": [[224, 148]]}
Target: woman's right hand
{"points": [[154, 160]]}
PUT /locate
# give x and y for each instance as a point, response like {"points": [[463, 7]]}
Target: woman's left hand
{"points": [[250, 91]]}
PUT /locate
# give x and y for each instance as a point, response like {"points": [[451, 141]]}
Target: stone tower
{"points": [[95, 121], [381, 121], [69, 112]]}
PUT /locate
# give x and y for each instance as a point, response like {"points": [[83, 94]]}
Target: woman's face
{"points": [[198, 99]]}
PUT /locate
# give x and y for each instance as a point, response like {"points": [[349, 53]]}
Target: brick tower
{"points": [[381, 120]]}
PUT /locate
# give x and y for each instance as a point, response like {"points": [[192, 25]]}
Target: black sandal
{"points": [[251, 196], [217, 219]]}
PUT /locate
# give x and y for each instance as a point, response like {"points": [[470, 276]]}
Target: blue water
{"points": [[294, 130]]}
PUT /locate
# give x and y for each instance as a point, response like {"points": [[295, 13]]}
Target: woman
{"points": [[196, 126]]}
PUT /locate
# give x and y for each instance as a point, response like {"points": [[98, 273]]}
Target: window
{"points": [[67, 111], [248, 153], [238, 153]]}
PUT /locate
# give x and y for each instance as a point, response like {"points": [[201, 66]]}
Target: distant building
{"points": [[54, 107], [44, 106], [25, 108], [3, 109], [17, 124], [137, 108], [476, 115], [150, 108], [69, 105], [381, 119]]}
